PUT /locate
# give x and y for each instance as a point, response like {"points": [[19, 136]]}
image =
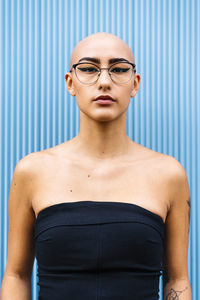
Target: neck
{"points": [[103, 140]]}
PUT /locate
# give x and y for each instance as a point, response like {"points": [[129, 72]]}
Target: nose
{"points": [[104, 80]]}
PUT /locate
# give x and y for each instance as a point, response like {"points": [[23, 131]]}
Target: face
{"points": [[103, 49]]}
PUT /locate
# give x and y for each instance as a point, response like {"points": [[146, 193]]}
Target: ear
{"points": [[136, 85], [70, 85]]}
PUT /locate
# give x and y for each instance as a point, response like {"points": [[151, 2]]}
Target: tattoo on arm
{"points": [[174, 295], [189, 204]]}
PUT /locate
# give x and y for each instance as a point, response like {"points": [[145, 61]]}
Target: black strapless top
{"points": [[99, 250]]}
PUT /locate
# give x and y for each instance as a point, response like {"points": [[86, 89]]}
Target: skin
{"points": [[100, 164], [99, 124]]}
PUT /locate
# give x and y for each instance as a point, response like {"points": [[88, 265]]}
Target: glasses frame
{"points": [[99, 73]]}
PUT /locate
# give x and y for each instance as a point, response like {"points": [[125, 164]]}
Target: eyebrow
{"points": [[97, 60]]}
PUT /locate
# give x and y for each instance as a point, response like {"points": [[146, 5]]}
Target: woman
{"points": [[103, 215]]}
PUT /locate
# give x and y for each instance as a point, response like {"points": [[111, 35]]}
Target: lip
{"points": [[105, 98], [104, 102]]}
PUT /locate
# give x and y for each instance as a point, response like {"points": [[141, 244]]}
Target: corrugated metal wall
{"points": [[37, 38]]}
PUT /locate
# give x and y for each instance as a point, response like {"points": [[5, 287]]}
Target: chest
{"points": [[123, 182]]}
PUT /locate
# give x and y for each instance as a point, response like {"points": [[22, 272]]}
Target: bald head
{"points": [[101, 45]]}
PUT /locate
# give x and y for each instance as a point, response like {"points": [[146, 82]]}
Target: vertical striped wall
{"points": [[37, 37]]}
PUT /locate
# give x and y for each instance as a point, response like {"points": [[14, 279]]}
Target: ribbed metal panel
{"points": [[37, 38]]}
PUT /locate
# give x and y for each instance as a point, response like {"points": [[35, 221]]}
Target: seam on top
{"points": [[36, 236]]}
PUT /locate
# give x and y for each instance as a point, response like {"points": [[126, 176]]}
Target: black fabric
{"points": [[98, 250]]}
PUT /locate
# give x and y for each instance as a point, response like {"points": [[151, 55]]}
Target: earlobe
{"points": [[133, 93], [70, 85], [136, 85]]}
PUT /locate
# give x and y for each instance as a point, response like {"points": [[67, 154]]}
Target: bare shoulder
{"points": [[173, 167], [27, 171], [34, 162], [21, 215], [177, 222], [167, 164], [169, 174], [175, 177], [24, 170]]}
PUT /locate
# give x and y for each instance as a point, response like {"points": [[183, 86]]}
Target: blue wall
{"points": [[37, 112]]}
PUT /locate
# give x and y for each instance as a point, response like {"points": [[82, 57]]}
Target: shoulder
{"points": [[170, 175], [33, 162], [36, 164], [176, 180], [171, 166], [174, 168], [27, 165], [168, 165], [29, 168], [164, 163], [177, 221]]}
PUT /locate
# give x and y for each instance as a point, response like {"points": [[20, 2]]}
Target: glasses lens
{"points": [[121, 72], [87, 73]]}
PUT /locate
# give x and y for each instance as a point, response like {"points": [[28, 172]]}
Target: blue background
{"points": [[37, 112]]}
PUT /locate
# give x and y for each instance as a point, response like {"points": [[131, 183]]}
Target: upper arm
{"points": [[177, 226], [21, 252]]}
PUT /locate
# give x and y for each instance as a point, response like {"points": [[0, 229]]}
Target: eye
{"points": [[119, 70], [88, 69]]}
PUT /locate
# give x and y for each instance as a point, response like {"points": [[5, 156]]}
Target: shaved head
{"points": [[103, 50], [99, 45]]}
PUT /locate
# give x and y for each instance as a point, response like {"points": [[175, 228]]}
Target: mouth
{"points": [[105, 98]]}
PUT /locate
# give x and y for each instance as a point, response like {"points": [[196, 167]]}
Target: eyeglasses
{"points": [[89, 73]]}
